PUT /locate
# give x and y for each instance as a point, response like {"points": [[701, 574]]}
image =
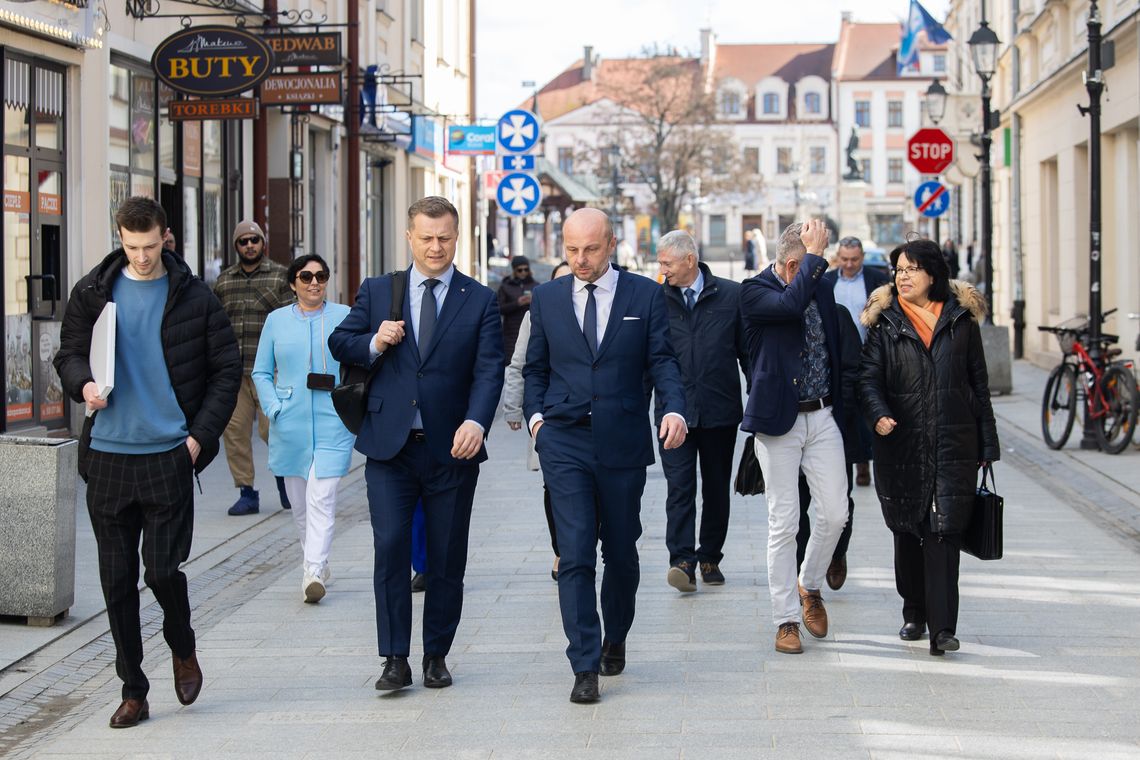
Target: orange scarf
{"points": [[923, 318]]}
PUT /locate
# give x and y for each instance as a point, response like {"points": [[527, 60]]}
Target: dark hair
{"points": [[927, 255], [433, 207], [140, 214], [559, 265], [299, 263]]}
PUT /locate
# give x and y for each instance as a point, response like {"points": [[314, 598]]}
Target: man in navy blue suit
{"points": [[595, 336], [792, 328], [429, 408]]}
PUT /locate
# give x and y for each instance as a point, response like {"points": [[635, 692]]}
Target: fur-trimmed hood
{"points": [[881, 299]]}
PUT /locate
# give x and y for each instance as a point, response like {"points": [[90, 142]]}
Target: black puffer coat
{"points": [[940, 399], [197, 341]]}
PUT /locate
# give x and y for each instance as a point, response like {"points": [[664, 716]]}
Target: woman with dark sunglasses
{"points": [[308, 444]]}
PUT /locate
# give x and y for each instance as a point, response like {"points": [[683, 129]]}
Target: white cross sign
{"points": [[517, 131], [518, 194]]}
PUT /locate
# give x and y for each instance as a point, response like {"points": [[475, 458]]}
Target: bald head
{"points": [[588, 238]]}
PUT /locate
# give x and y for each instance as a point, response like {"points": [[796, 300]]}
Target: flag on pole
{"points": [[918, 20]]}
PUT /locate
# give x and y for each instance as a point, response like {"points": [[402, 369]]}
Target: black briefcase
{"points": [[749, 476], [983, 537]]}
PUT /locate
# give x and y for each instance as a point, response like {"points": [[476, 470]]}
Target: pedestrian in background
{"points": [[793, 410], [512, 411], [925, 389], [514, 301], [708, 337], [177, 373], [749, 252], [950, 253], [597, 340], [429, 409], [309, 446], [249, 290]]}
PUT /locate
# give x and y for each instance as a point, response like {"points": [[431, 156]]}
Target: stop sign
{"points": [[930, 150]]}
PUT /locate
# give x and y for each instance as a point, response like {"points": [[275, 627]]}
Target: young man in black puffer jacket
{"points": [[177, 372]]}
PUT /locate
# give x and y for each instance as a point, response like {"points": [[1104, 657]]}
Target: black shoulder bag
{"points": [[350, 398]]}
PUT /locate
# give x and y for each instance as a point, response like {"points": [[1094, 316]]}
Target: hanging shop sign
{"points": [[212, 61], [212, 109], [301, 89], [315, 49]]}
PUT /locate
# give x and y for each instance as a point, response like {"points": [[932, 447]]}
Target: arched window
{"points": [[771, 103], [729, 102], [811, 102]]}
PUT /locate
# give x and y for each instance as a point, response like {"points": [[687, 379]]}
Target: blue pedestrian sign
{"points": [[518, 194], [518, 162], [932, 199], [517, 131]]}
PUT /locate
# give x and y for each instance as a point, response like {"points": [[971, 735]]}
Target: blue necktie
{"points": [[427, 314], [690, 298], [590, 320]]}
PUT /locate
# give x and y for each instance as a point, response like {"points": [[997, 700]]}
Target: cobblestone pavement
{"points": [[1048, 666]]}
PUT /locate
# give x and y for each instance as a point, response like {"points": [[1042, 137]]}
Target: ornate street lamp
{"points": [[983, 47], [935, 102]]}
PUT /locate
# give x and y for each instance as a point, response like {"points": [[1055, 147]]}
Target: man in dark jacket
{"points": [[708, 336], [177, 373], [514, 301], [794, 406]]}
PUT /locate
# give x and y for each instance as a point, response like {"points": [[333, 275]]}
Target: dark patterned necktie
{"points": [[427, 314], [590, 320], [690, 298]]}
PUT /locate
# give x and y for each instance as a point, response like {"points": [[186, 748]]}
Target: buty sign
{"points": [[314, 49], [212, 61]]}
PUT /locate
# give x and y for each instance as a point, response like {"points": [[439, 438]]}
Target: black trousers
{"points": [[926, 576], [804, 532], [713, 447], [147, 496]]}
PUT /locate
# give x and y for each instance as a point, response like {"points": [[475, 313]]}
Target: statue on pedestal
{"points": [[853, 174]]}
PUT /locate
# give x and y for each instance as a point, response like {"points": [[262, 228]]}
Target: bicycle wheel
{"points": [[1114, 428], [1059, 406]]}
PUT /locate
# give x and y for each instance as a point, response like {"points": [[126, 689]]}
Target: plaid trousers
{"points": [[147, 496]]}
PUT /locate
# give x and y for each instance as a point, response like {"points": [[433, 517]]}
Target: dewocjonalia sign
{"points": [[212, 61], [301, 89]]}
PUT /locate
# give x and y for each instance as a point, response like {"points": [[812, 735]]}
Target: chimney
{"points": [[707, 40], [588, 62], [846, 17]]}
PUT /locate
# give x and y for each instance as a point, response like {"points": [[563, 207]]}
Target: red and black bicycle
{"points": [[1105, 388]]}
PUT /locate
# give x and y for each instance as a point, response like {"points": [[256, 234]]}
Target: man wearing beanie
{"points": [[249, 290], [514, 301]]}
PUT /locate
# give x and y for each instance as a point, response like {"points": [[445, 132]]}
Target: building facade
{"points": [[86, 124]]}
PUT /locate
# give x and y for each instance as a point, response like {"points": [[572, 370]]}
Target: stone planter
{"points": [[37, 527]]}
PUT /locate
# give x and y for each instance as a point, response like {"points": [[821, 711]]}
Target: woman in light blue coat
{"points": [[309, 446]]}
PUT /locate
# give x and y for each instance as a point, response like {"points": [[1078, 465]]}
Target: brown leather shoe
{"points": [[187, 678], [788, 639], [130, 712], [837, 573], [862, 474], [815, 615]]}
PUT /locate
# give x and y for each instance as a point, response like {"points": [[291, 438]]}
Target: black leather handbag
{"points": [[350, 398], [983, 537], [749, 476]]}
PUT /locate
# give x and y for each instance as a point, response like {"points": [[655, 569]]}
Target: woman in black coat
{"points": [[925, 392]]}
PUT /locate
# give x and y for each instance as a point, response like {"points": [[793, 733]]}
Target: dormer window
{"points": [[811, 103], [771, 104], [730, 103]]}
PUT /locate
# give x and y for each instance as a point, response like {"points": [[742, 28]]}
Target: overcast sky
{"points": [[521, 40]]}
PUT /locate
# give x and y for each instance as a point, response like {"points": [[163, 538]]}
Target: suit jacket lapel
{"points": [[457, 294], [617, 311]]}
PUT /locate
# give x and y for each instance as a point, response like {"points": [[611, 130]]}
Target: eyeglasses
{"points": [[307, 277], [251, 240], [910, 271]]}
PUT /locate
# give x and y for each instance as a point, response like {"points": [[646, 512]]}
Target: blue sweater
{"points": [[142, 414]]}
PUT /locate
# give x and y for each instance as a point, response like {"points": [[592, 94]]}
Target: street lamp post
{"points": [[936, 109], [983, 46], [1094, 83]]}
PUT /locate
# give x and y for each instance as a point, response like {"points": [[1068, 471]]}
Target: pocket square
{"points": [[630, 319]]}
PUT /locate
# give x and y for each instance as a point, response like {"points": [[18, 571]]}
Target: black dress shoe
{"points": [[585, 687], [942, 643], [130, 713], [911, 631], [419, 583], [397, 674], [613, 658], [436, 674]]}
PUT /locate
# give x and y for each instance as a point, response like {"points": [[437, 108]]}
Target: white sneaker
{"points": [[312, 589]]}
